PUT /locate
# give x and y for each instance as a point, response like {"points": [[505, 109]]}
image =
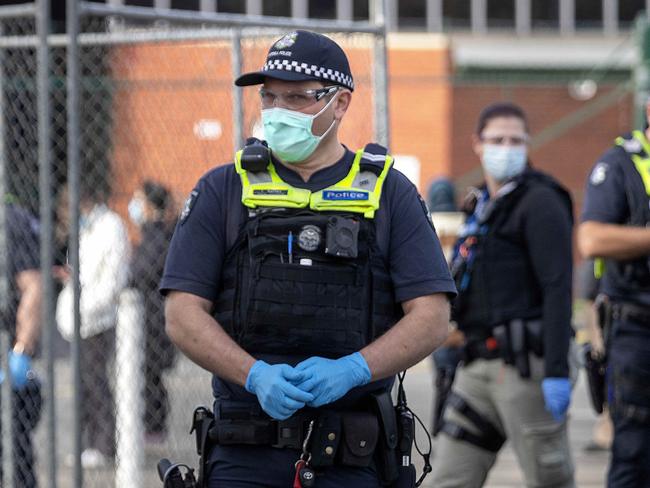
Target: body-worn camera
{"points": [[342, 237]]}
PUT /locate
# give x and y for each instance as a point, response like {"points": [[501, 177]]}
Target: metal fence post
{"points": [[72, 102], [380, 78], [7, 413], [47, 229], [237, 99]]}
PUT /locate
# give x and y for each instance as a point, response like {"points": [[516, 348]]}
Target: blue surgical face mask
{"points": [[288, 133], [503, 162], [136, 211]]}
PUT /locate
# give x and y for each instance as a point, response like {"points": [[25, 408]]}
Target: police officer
{"points": [[614, 227], [23, 315], [304, 278], [512, 267]]}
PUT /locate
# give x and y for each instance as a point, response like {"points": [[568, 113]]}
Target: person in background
{"points": [[23, 315], [149, 210], [104, 253], [513, 316], [614, 230]]}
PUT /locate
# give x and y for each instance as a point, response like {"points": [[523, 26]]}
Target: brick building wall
{"points": [[163, 91]]}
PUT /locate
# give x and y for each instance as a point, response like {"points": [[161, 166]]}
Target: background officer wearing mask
{"points": [[512, 267], [614, 226], [303, 282]]}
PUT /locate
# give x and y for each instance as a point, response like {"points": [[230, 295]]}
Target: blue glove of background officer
{"points": [[557, 396], [274, 386], [19, 365], [330, 379]]}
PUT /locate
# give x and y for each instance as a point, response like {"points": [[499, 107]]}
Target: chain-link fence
{"points": [[137, 109]]}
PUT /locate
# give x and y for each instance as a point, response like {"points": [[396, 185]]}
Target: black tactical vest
{"points": [[502, 284], [306, 282]]}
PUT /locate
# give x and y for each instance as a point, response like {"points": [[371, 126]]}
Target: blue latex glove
{"points": [[330, 379], [274, 386], [557, 396], [19, 365]]}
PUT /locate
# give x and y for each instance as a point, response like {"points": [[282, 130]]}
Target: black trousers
{"points": [[97, 405], [629, 386], [26, 414]]}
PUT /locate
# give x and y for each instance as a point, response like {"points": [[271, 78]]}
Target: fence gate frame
{"points": [[207, 25]]}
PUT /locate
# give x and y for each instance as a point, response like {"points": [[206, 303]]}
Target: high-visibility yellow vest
{"points": [[359, 192]]}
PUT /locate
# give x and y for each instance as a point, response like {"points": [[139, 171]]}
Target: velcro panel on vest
{"points": [[274, 195]]}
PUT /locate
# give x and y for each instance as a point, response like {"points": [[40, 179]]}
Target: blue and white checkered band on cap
{"points": [[301, 56]]}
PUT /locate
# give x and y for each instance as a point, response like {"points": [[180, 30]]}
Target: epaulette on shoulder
{"points": [[374, 158]]}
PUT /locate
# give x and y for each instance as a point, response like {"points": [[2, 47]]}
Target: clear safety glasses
{"points": [[295, 99]]}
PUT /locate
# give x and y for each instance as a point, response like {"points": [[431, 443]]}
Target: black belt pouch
{"points": [[360, 435]]}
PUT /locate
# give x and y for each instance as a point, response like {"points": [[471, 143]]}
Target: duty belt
{"points": [[237, 427], [632, 312]]}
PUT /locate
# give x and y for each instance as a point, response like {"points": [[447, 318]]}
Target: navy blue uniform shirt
{"points": [[606, 202], [198, 248], [23, 253]]}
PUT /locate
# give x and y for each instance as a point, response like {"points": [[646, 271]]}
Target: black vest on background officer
{"points": [[615, 231], [304, 276]]}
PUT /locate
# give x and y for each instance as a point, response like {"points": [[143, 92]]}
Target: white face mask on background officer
{"points": [[502, 148]]}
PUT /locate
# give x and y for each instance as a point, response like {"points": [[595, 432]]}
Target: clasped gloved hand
{"points": [[274, 386], [557, 396], [330, 379]]}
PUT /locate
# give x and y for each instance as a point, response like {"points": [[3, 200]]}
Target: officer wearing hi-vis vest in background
{"points": [[614, 230], [304, 276], [512, 266]]}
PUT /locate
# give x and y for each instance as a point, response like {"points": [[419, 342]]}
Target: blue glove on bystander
{"points": [[19, 365], [275, 390], [330, 379], [557, 396]]}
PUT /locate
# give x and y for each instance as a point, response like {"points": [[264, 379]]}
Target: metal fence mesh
{"points": [[156, 112], [18, 150]]}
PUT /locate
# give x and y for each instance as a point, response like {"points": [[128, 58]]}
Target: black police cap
{"points": [[301, 56]]}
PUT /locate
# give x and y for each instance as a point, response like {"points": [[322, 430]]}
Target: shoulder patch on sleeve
{"points": [[599, 173], [189, 204]]}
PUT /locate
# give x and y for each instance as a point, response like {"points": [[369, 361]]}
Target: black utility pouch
{"points": [[326, 439], [360, 435]]}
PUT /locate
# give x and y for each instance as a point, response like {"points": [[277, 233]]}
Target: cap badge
{"points": [[287, 41]]}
